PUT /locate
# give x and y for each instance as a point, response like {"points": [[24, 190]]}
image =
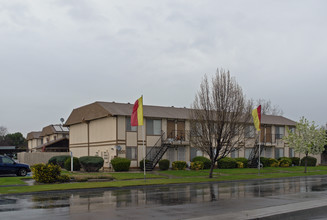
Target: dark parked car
{"points": [[8, 166]]}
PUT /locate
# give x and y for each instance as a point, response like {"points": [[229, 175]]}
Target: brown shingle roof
{"points": [[54, 129], [98, 110], [33, 135]]}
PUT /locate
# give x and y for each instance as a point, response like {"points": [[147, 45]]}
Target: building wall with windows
{"points": [[104, 129]]}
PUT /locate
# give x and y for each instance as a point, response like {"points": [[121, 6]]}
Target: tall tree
{"points": [[3, 133], [268, 109], [16, 139], [219, 116], [307, 139]]}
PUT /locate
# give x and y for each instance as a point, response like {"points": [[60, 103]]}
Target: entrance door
{"points": [[170, 129], [268, 135], [181, 130]]}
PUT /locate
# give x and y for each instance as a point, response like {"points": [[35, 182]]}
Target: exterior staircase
{"points": [[157, 151]]}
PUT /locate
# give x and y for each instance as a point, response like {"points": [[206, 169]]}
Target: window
{"points": [[234, 154], [6, 160], [128, 125], [279, 152], [131, 153], [247, 152], [153, 127], [249, 131], [291, 152], [291, 129], [280, 132]]}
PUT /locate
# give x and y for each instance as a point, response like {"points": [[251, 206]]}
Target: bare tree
{"points": [[219, 116], [268, 109]]}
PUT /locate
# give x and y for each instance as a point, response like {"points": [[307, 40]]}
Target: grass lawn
{"points": [[13, 180], [179, 177]]}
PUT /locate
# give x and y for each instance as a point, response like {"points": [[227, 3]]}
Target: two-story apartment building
{"points": [[51, 138], [34, 139], [104, 129]]}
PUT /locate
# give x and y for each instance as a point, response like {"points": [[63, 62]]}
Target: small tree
{"points": [[307, 139], [219, 116]]}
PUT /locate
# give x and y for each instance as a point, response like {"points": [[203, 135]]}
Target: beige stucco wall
{"points": [[78, 134], [121, 124], [103, 129], [37, 157]]}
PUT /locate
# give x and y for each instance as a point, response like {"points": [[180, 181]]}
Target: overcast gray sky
{"points": [[57, 55]]}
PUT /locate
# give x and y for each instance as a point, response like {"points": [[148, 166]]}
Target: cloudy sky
{"points": [[57, 55]]}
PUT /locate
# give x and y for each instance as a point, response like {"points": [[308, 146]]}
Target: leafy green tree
{"points": [[307, 139], [16, 139]]}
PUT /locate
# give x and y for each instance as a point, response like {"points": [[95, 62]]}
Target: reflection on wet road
{"points": [[164, 202]]}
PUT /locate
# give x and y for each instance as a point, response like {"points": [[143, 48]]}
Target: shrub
{"points": [[59, 160], [164, 164], [285, 162], [227, 163], [206, 161], [239, 164], [242, 160], [63, 178], [197, 165], [179, 165], [121, 164], [311, 161], [141, 164], [76, 164], [46, 173], [264, 161], [295, 161], [273, 162], [91, 163]]}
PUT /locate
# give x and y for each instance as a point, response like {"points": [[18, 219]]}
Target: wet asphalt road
{"points": [[164, 202]]}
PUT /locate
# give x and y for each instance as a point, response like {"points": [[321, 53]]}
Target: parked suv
{"points": [[9, 166]]}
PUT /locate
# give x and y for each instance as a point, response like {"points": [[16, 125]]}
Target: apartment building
{"points": [[51, 138], [104, 129]]}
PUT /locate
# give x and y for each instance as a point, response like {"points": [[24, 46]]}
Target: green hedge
{"points": [[76, 164], [91, 163], [164, 164], [242, 160], [120, 164], [273, 162], [59, 160], [179, 165], [311, 161], [227, 163], [265, 161], [295, 161], [206, 161]]}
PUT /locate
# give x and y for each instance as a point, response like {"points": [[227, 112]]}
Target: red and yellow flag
{"points": [[137, 114], [256, 114]]}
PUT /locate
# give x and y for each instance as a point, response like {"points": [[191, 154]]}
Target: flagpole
{"points": [[144, 154], [259, 151]]}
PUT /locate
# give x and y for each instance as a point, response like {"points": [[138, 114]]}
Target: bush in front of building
{"points": [[295, 161], [242, 160], [284, 161], [48, 173], [142, 165], [239, 164], [197, 165], [311, 161], [76, 164], [164, 164], [179, 165], [273, 162], [206, 161], [91, 163], [120, 164], [59, 160], [227, 163], [264, 161]]}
